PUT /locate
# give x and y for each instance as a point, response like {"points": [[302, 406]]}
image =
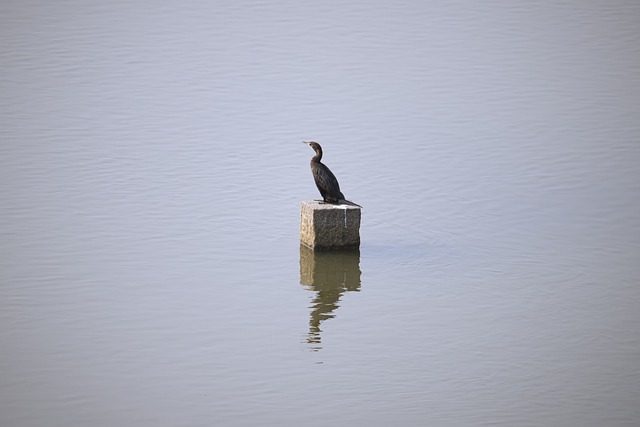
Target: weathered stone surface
{"points": [[325, 226]]}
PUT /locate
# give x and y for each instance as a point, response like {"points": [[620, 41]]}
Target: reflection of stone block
{"points": [[328, 226], [326, 270]]}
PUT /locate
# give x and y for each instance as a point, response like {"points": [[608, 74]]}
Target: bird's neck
{"points": [[317, 157]]}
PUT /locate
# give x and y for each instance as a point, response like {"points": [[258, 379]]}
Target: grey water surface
{"points": [[151, 174]]}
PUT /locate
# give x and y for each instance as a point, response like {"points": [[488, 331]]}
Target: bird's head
{"points": [[316, 147]]}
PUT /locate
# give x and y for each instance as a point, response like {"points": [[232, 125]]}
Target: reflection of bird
{"points": [[325, 180]]}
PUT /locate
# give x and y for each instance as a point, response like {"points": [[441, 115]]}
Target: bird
{"points": [[326, 181]]}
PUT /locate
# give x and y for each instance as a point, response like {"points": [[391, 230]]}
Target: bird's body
{"points": [[325, 180]]}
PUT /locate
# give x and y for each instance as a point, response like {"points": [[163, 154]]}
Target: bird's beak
{"points": [[305, 142]]}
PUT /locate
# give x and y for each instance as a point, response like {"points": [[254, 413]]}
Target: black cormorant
{"points": [[326, 181]]}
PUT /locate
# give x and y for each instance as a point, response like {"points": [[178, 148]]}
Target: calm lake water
{"points": [[151, 179]]}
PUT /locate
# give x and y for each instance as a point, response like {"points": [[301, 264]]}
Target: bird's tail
{"points": [[347, 202]]}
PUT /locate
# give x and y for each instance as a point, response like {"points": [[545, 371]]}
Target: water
{"points": [[152, 172]]}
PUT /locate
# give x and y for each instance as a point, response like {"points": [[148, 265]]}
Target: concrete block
{"points": [[325, 226]]}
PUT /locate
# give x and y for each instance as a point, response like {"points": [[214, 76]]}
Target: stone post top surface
{"points": [[319, 204]]}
